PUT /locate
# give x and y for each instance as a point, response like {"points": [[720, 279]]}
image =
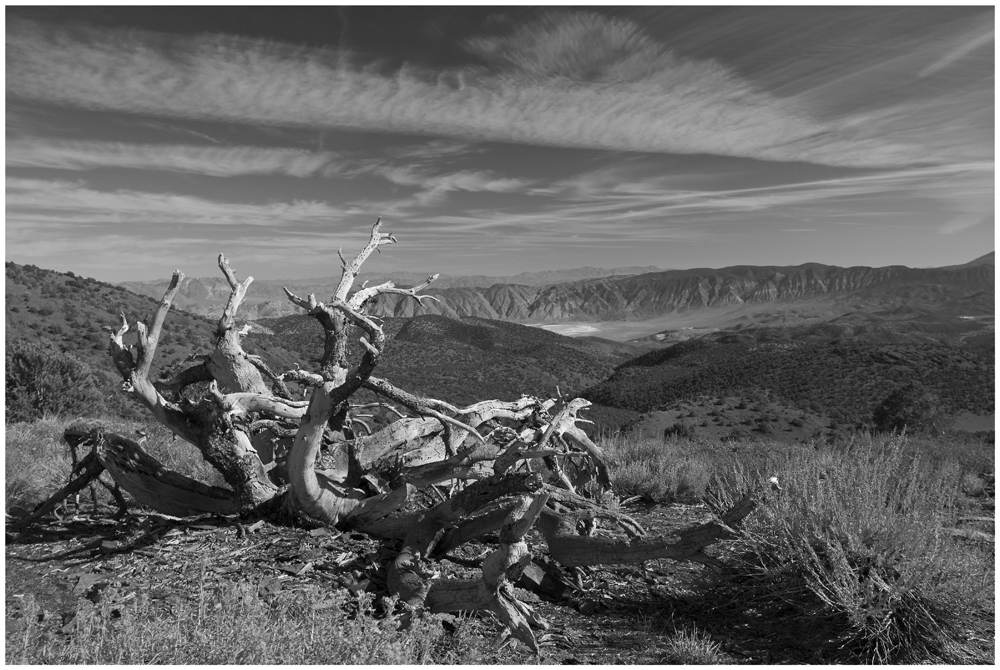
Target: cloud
{"points": [[980, 36], [239, 161], [210, 161], [581, 47], [612, 195], [633, 95], [68, 205], [963, 222], [465, 180]]}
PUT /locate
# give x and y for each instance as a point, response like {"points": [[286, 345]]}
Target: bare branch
{"points": [[350, 271], [148, 341], [259, 363], [186, 377], [120, 354], [365, 294], [245, 403], [415, 404], [302, 377]]}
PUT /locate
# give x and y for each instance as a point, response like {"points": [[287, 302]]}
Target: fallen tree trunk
{"points": [[149, 481]]}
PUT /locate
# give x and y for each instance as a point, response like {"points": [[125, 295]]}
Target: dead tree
{"points": [[278, 454]]}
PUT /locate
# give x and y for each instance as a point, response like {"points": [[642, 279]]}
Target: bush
{"points": [[911, 408], [850, 558], [42, 381], [680, 430]]}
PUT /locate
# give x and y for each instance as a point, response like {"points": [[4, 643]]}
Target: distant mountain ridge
{"points": [[985, 259], [965, 289], [266, 299]]}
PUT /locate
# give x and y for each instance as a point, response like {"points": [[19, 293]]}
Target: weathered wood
{"points": [[492, 591], [573, 550], [147, 480], [91, 470]]}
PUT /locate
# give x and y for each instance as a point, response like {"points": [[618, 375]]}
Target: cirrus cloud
{"points": [[645, 100]]}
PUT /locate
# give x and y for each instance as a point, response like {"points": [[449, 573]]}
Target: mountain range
{"points": [[670, 301], [208, 295]]}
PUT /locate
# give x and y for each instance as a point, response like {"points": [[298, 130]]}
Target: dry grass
{"points": [[36, 463], [233, 623], [852, 561], [672, 470], [689, 646]]}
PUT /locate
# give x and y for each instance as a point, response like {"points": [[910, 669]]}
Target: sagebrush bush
{"points": [[911, 408], [42, 381], [855, 543]]}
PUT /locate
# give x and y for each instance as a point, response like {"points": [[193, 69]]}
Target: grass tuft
{"points": [[688, 646], [671, 470]]}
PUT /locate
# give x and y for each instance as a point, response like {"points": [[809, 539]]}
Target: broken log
{"points": [[146, 479]]}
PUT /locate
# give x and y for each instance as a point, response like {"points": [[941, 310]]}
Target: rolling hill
{"points": [[74, 315], [462, 361], [841, 378], [471, 359], [838, 368]]}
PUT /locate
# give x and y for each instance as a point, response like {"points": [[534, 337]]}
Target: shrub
{"points": [[851, 558], [911, 408], [42, 381], [680, 430]]}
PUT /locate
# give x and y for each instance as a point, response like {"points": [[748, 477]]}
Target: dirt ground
{"points": [[607, 616]]}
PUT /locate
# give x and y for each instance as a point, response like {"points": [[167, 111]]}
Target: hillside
{"points": [[843, 379], [462, 361], [985, 259], [839, 368], [467, 360], [74, 314]]}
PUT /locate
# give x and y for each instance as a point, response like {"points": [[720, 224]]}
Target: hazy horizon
{"points": [[496, 141]]}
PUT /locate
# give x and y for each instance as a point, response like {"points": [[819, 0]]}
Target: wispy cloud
{"points": [[48, 204], [210, 161], [409, 168], [981, 36], [958, 182], [643, 99]]}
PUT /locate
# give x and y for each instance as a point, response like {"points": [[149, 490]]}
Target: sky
{"points": [[496, 140]]}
